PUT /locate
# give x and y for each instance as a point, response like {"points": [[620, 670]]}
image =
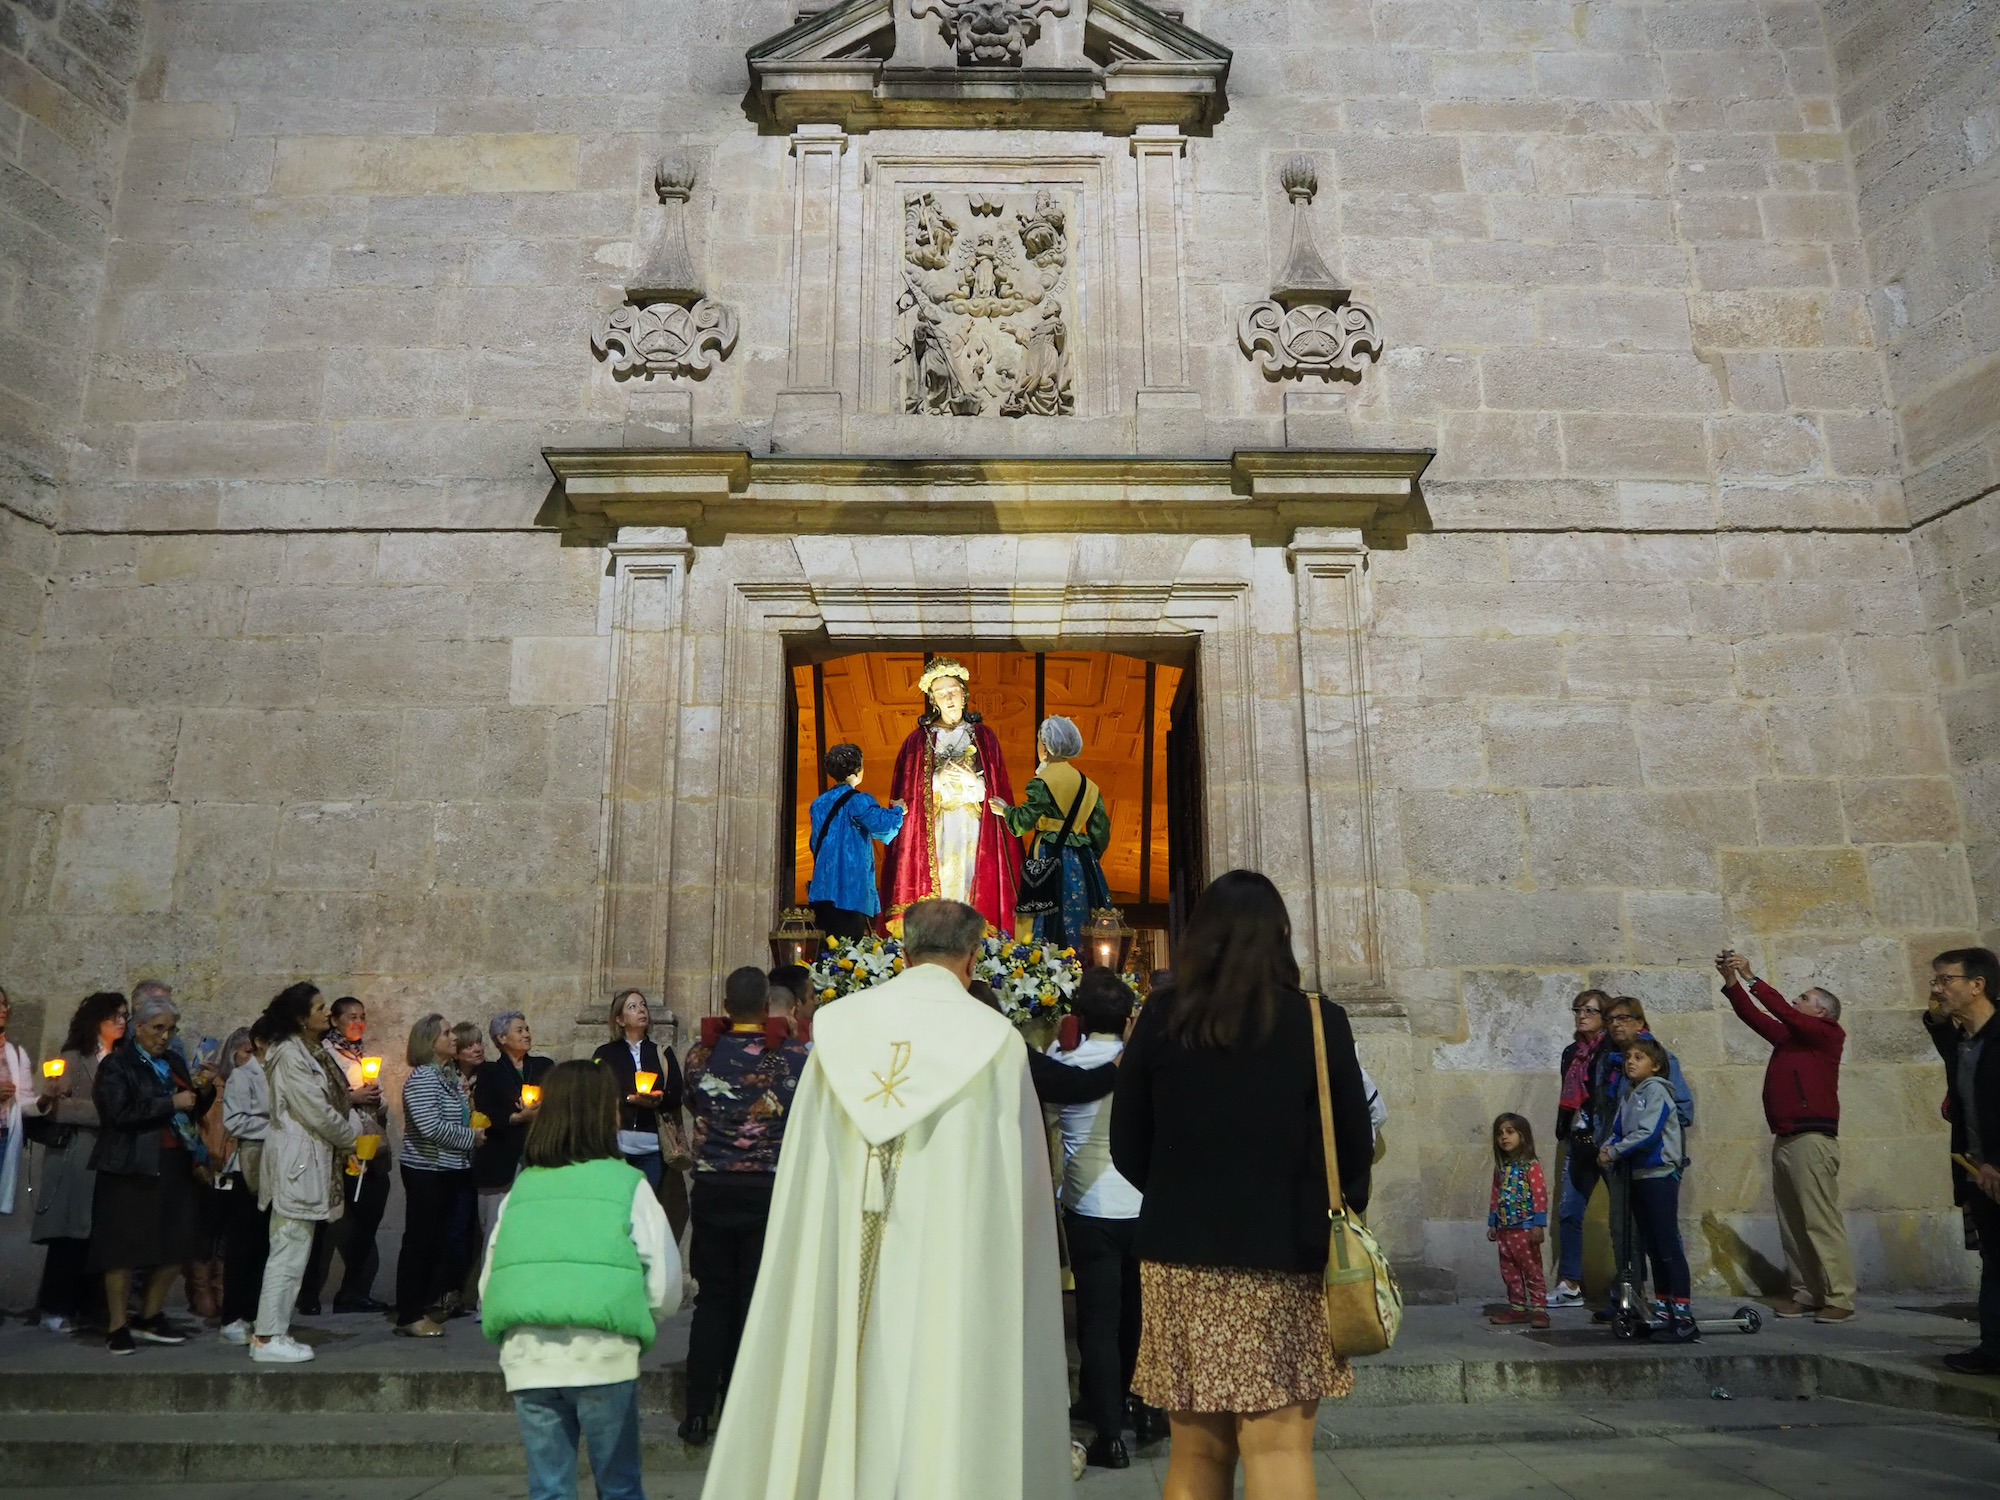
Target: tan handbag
{"points": [[1364, 1306]]}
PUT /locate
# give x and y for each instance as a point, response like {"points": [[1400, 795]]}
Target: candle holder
{"points": [[796, 939], [642, 1083], [1107, 940], [53, 1068], [530, 1096], [371, 1070]]}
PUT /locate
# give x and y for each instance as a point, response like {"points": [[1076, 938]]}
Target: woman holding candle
{"points": [[142, 1211], [496, 1094], [305, 1148], [62, 1212], [630, 1053], [438, 1142]]}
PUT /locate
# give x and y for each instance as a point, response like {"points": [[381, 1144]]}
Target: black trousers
{"points": [[1985, 1216], [353, 1235], [838, 921], [423, 1267], [1107, 1313], [246, 1245], [68, 1290], [728, 1219]]}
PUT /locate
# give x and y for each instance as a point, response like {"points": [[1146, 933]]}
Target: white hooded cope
{"points": [[905, 1341]]}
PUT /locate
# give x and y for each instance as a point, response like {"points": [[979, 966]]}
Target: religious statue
{"points": [[952, 778]]}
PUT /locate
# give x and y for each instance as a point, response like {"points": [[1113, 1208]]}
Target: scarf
{"points": [[182, 1126], [1576, 1077]]}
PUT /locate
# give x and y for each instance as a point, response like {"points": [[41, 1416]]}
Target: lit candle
{"points": [[642, 1083], [53, 1068], [530, 1096], [371, 1069]]}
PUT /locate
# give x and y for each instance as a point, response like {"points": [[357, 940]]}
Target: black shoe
{"points": [[1150, 1424], [365, 1305], [156, 1330], [694, 1432], [1972, 1362], [120, 1341], [306, 1309], [1682, 1329], [1108, 1453]]}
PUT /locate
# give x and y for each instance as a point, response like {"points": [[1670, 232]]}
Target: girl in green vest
{"points": [[580, 1269]]}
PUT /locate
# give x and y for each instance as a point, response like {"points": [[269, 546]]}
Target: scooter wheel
{"points": [[1630, 1326], [1751, 1318]]}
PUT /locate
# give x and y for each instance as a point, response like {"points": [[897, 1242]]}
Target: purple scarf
{"points": [[1576, 1077]]}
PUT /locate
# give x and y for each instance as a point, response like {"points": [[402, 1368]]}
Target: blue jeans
{"points": [[650, 1166], [607, 1418], [1579, 1182]]}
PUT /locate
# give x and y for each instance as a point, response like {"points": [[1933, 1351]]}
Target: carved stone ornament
{"points": [[990, 33], [666, 326], [1309, 326], [983, 321]]}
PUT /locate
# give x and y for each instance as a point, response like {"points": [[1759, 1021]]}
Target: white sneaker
{"points": [[1566, 1295], [235, 1333], [282, 1350], [57, 1323]]}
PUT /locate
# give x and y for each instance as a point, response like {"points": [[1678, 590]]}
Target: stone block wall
{"points": [[317, 689], [1920, 97]]}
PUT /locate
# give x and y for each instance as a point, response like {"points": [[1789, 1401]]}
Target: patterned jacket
{"points": [[740, 1094]]}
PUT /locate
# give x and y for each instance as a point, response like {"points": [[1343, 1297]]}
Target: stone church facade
{"points": [[1563, 436]]}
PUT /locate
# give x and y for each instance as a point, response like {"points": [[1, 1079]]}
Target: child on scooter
{"points": [[1648, 1144], [1518, 1221]]}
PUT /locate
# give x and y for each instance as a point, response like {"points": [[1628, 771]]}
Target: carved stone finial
{"points": [[666, 325], [1308, 326], [1300, 177], [673, 177]]}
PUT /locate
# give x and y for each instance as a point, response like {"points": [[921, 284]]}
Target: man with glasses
{"points": [[1964, 984], [1802, 1109], [1574, 1130], [1624, 1024]]}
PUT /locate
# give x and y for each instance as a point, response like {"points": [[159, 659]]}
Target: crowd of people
{"points": [[1190, 1181]]}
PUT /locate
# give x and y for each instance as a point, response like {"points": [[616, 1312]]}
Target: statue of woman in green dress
{"points": [[1046, 802]]}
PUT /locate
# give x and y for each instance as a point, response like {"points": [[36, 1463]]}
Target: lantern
{"points": [[1106, 940], [795, 940]]}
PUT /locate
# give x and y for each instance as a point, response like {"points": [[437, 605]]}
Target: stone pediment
{"points": [[1106, 65]]}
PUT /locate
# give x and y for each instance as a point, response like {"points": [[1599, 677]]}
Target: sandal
{"points": [[423, 1328]]}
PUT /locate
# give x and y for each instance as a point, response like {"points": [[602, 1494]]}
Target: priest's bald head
{"points": [[945, 933]]}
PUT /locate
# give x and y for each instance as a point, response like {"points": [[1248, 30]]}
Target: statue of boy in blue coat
{"points": [[841, 822]]}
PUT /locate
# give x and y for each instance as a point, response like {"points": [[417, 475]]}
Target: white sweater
{"points": [[537, 1358]]}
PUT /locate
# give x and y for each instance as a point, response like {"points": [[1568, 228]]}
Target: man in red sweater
{"points": [[1802, 1107]]}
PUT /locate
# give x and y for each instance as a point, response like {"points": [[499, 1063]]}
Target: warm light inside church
{"points": [[870, 699]]}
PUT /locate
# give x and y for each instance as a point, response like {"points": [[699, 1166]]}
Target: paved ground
{"points": [[1935, 1462]]}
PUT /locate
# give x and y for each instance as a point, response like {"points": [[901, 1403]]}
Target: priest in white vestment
{"points": [[905, 1340]]}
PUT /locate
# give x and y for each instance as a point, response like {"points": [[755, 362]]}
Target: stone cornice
{"points": [[845, 66], [1267, 495]]}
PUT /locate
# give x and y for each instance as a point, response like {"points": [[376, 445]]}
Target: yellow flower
{"points": [[827, 993]]}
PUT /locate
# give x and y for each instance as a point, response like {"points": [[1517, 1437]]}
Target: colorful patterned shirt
{"points": [[740, 1092], [1520, 1201]]}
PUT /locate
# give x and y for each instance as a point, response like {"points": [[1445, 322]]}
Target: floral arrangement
{"points": [[1035, 982]]}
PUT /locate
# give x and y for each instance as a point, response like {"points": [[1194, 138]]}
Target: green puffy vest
{"points": [[564, 1257]]}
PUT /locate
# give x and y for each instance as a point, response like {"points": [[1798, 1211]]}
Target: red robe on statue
{"points": [[909, 875]]}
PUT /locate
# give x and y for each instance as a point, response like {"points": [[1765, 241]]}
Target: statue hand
{"points": [[999, 808]]}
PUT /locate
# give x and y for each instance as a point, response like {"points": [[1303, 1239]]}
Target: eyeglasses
{"points": [[1621, 1015], [1589, 1010]]}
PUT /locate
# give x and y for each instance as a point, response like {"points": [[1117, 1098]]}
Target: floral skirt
{"points": [[1228, 1339], [1083, 891]]}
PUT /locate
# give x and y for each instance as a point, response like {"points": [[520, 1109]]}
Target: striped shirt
{"points": [[437, 1121]]}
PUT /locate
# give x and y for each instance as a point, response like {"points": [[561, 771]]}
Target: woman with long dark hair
{"points": [[1216, 1122], [62, 1211], [310, 1133]]}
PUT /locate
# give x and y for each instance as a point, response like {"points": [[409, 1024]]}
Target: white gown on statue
{"points": [[942, 1375], [958, 803]]}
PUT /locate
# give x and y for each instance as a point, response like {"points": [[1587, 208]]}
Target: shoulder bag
{"points": [[1364, 1306], [1040, 890]]}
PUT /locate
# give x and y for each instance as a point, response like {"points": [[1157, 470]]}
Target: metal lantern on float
{"points": [[796, 939], [1107, 940]]}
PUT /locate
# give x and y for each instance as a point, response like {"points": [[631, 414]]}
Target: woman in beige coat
{"points": [[310, 1134]]}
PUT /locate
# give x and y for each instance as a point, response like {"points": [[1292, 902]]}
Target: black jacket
{"points": [[134, 1106], [496, 1094], [1058, 1083], [1225, 1145], [1986, 1089], [617, 1056]]}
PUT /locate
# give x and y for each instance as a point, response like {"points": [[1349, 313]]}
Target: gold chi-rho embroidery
{"points": [[899, 1063]]}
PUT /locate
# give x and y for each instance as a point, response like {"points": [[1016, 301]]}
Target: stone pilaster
{"points": [[808, 416], [1168, 411]]}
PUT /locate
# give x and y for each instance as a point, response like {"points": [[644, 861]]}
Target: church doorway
{"points": [[1137, 712]]}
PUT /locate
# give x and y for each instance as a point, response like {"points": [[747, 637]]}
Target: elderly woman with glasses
{"points": [[1066, 811], [143, 1212]]}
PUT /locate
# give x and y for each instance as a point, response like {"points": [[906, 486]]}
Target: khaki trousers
{"points": [[1805, 1179]]}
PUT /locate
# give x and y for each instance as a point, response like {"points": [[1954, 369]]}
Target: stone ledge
{"points": [[1267, 495]]}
